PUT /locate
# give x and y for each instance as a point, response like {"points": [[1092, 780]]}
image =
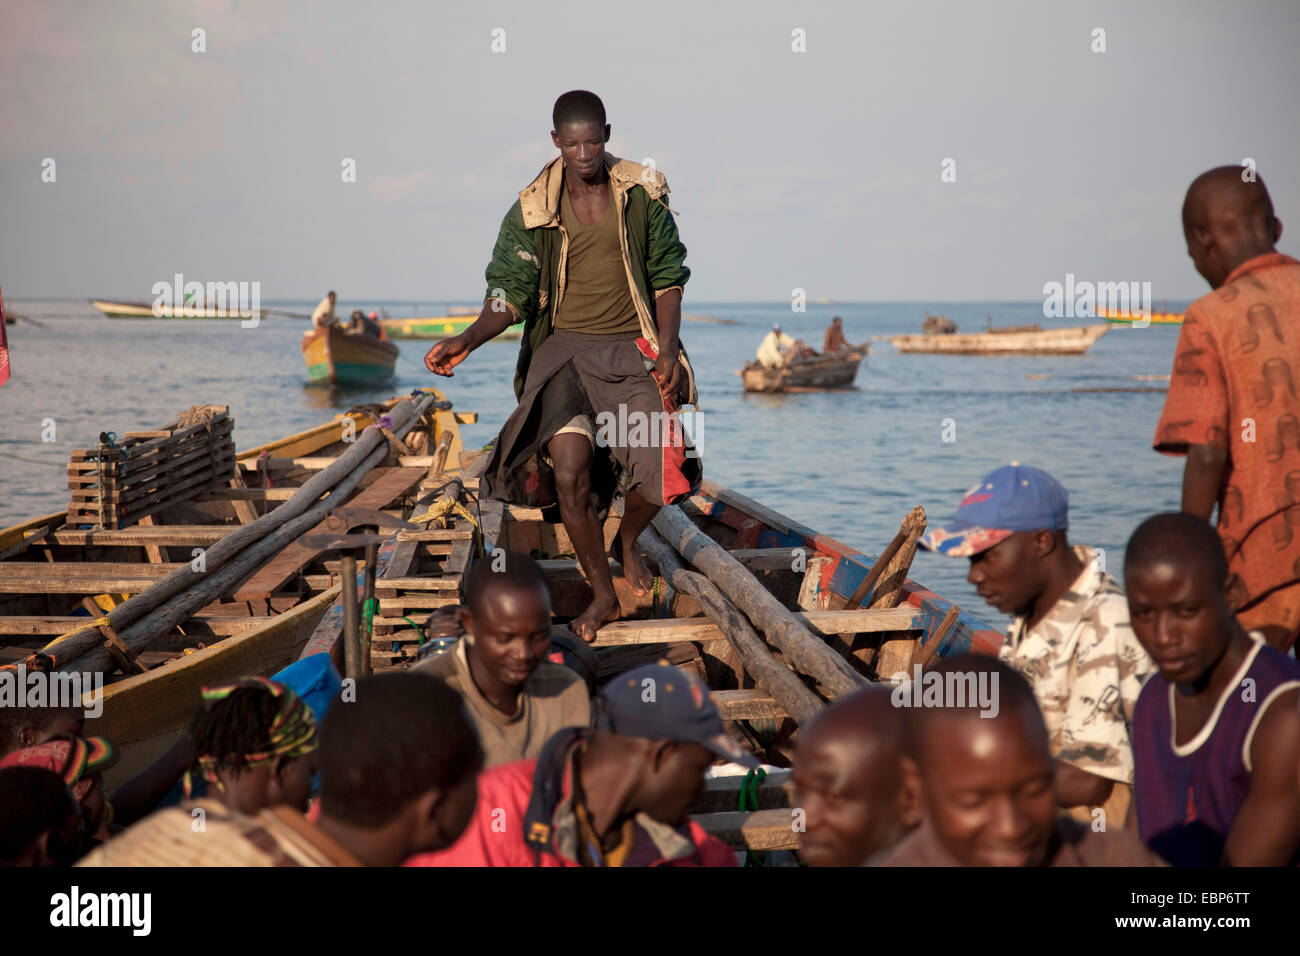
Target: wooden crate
{"points": [[147, 471]]}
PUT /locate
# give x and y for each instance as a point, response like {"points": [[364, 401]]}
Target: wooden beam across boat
{"points": [[671, 630], [180, 535], [760, 830]]}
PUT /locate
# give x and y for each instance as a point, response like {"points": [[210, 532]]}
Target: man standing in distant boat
{"points": [[323, 316], [589, 259], [1233, 407], [835, 340]]}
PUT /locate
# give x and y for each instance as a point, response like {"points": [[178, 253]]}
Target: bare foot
{"points": [[635, 572], [601, 611]]}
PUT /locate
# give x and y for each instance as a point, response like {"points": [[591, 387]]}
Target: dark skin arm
{"points": [[1202, 479], [668, 371], [1079, 788], [140, 796], [448, 353], [1267, 829]]}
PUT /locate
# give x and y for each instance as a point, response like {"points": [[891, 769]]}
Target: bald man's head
{"points": [[1181, 597], [849, 781], [986, 776], [1228, 219]]}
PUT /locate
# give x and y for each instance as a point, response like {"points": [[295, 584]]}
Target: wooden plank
{"points": [[391, 484], [673, 630], [766, 559], [34, 626], [752, 704], [141, 535], [415, 584], [80, 570], [437, 534], [395, 605], [760, 831], [722, 794], [152, 551], [315, 463], [247, 494]]}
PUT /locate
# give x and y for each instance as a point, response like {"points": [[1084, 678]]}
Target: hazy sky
{"points": [[819, 170]]}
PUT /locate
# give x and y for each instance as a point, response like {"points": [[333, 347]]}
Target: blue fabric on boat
{"points": [[315, 680]]}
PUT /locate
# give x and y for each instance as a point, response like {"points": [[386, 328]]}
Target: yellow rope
{"points": [[97, 622], [438, 512]]}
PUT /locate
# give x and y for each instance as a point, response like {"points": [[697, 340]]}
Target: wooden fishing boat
{"points": [[336, 357], [818, 619], [1120, 317], [145, 310], [1022, 341], [805, 375], [777, 620], [224, 583], [440, 327]]}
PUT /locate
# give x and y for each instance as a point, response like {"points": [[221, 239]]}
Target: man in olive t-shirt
{"points": [[516, 698]]}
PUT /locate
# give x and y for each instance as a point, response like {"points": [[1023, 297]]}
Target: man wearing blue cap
{"points": [[1070, 635], [618, 795]]}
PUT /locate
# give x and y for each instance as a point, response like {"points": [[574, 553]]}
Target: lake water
{"points": [[850, 464]]}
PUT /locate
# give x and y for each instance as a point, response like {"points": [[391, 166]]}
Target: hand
{"points": [[668, 375], [447, 354]]}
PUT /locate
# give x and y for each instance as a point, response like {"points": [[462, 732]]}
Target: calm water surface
{"points": [[850, 464]]}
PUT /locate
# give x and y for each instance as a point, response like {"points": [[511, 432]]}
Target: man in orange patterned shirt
{"points": [[1233, 407]]}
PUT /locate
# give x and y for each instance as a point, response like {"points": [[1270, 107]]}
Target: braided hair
{"points": [[249, 723]]}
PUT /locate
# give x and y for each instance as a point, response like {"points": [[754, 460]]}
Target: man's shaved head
{"points": [[502, 572], [1181, 539], [986, 777], [577, 107], [1227, 220], [849, 780], [1181, 597]]}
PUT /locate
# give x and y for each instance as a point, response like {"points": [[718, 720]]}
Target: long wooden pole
{"points": [[805, 651], [773, 677]]}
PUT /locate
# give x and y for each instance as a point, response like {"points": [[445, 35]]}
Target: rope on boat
{"points": [[96, 623], [438, 512]]}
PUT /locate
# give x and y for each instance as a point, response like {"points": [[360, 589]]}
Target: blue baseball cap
{"points": [[662, 702], [1014, 498]]}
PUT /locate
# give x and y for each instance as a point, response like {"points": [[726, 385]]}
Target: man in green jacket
{"points": [[590, 260]]}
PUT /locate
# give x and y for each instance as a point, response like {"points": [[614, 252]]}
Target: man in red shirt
{"points": [[619, 795], [1233, 407]]}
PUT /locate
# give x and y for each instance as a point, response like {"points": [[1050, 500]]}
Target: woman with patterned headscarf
{"points": [[254, 740]]}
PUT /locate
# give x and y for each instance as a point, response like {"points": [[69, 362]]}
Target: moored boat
{"points": [[1120, 317], [336, 357], [805, 375], [439, 327], [144, 310], [1070, 341]]}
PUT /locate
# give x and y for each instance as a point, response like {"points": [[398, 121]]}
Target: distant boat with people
{"points": [[812, 374]]}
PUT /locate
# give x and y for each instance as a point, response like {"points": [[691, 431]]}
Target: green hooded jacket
{"points": [[527, 271]]}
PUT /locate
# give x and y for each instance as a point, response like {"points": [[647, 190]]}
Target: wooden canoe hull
{"points": [[144, 714], [142, 310], [335, 357], [809, 375], [440, 327], [1071, 341]]}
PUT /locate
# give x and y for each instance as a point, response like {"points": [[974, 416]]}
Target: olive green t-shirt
{"points": [[552, 699], [597, 297]]}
